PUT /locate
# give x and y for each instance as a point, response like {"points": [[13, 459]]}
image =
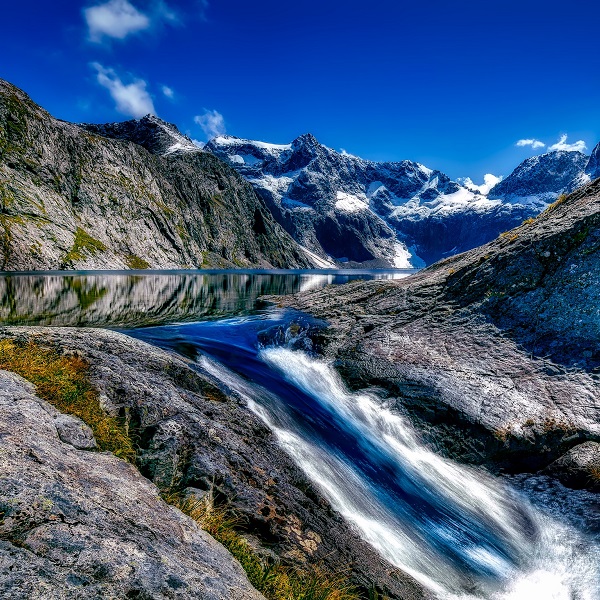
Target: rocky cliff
{"points": [[74, 199], [495, 352]]}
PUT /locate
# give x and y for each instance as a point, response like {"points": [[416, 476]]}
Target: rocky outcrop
{"points": [[72, 199], [191, 435], [495, 352], [82, 524]]}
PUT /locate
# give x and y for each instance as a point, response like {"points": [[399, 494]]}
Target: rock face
{"points": [[80, 524], [495, 352], [344, 208], [74, 199], [193, 436]]}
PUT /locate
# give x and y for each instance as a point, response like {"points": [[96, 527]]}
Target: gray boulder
{"points": [[77, 524], [579, 467]]}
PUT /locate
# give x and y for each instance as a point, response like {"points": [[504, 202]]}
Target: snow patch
{"points": [[349, 203], [227, 140], [321, 263], [402, 257]]}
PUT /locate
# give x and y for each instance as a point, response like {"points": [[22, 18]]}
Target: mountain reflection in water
{"points": [[126, 299]]}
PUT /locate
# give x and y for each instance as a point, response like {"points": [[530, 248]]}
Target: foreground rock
{"points": [[80, 524], [494, 353], [191, 435], [74, 199]]}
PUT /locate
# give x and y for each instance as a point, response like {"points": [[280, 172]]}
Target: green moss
{"points": [[84, 244], [135, 262]]}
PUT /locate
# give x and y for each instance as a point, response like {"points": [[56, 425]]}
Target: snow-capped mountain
{"points": [[344, 208], [154, 134], [541, 179]]}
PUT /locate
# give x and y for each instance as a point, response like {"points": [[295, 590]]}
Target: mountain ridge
{"points": [[73, 199]]}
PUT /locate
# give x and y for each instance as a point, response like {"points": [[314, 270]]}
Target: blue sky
{"points": [[452, 84]]}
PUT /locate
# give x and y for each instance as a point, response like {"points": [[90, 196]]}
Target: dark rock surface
{"points": [[80, 524], [579, 467], [73, 199], [194, 436], [495, 353]]}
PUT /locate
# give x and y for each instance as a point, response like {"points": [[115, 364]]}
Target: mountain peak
{"points": [[151, 132], [592, 168], [542, 178], [306, 139]]}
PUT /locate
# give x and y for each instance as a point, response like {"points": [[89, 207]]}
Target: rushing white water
{"points": [[461, 532]]}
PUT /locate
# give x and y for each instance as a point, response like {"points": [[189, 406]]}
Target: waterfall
{"points": [[461, 532]]}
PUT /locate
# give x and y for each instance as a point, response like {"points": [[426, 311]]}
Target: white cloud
{"points": [[203, 9], [131, 99], [578, 146], [530, 142], [489, 181], [168, 92], [343, 152], [116, 19], [212, 123]]}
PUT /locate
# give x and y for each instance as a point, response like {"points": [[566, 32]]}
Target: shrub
{"points": [[135, 262], [84, 244]]}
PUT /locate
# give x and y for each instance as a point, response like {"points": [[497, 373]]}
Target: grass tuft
{"points": [[84, 245], [63, 381], [135, 262], [274, 580]]}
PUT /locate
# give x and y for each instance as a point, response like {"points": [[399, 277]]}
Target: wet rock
{"points": [[579, 468]]}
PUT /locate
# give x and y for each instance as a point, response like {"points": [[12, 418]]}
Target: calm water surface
{"points": [[126, 299]]}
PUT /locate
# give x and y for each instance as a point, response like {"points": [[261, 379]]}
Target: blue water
{"points": [[461, 532]]}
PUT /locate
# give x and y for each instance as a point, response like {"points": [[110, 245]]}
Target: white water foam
{"points": [[558, 564]]}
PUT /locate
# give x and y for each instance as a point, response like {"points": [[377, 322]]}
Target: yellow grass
{"points": [[63, 381]]}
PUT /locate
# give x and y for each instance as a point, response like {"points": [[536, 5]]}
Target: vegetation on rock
{"points": [[62, 381]]}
